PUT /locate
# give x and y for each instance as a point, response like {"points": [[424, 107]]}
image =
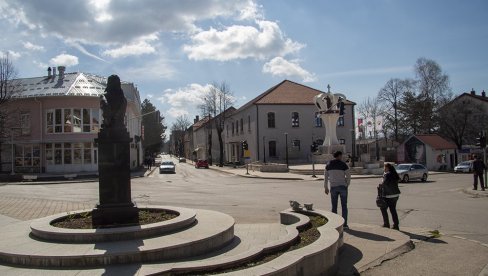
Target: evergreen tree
{"points": [[154, 128]]}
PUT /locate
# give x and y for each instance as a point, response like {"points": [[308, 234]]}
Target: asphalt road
{"points": [[437, 204]]}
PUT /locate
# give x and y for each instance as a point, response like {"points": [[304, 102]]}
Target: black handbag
{"points": [[380, 199]]}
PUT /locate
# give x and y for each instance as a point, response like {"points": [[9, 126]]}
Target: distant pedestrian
{"points": [[391, 193], [478, 169], [338, 175]]}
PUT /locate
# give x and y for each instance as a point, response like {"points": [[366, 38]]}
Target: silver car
{"points": [[466, 166], [167, 167], [409, 172]]}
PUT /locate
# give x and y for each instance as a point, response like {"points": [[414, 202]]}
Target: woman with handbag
{"points": [[390, 194]]}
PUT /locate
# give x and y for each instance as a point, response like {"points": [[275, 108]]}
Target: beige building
{"points": [[283, 118]]}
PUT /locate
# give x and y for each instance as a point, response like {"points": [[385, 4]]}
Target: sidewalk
{"points": [[477, 193], [44, 178]]}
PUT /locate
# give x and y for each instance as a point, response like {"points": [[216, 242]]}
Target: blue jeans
{"points": [[335, 193]]}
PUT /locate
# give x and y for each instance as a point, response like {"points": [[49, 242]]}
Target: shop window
{"points": [[295, 144], [76, 120], [27, 156]]}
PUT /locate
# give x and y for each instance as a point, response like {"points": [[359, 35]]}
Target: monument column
{"points": [[115, 205]]}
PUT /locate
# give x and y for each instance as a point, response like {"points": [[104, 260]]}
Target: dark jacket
{"points": [[390, 184], [478, 166]]}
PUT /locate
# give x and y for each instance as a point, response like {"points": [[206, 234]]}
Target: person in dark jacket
{"points": [[338, 176], [478, 168], [391, 193]]}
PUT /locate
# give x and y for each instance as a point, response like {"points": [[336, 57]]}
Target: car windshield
{"points": [[167, 163], [403, 167], [463, 164]]}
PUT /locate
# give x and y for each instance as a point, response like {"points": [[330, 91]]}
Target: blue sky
{"points": [[172, 50]]}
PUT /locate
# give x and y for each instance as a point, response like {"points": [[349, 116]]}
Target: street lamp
{"points": [[286, 149]]}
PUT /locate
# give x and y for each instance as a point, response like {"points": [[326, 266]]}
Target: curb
{"points": [[484, 272], [402, 249], [477, 193]]}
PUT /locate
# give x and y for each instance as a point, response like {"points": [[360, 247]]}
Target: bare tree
{"points": [[433, 92], [369, 109], [216, 103], [8, 87], [178, 129], [390, 96], [461, 121]]}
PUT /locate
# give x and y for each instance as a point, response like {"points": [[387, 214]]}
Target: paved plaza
{"points": [[443, 203]]}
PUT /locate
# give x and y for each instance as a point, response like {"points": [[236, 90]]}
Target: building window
{"points": [[317, 120], [295, 119], [340, 121], [232, 129], [249, 123], [295, 144], [242, 125], [271, 120], [71, 153], [237, 127], [342, 141], [25, 123], [272, 148], [227, 130], [27, 155], [74, 120]]}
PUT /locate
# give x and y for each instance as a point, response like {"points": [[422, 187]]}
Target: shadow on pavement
{"points": [[348, 257], [426, 238], [366, 235]]}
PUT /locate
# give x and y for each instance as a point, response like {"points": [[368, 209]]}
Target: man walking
{"points": [[478, 168], [338, 175]]}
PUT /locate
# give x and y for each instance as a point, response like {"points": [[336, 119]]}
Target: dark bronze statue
{"points": [[113, 103]]}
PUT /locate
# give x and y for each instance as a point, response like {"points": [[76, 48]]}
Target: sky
{"points": [[174, 50]]}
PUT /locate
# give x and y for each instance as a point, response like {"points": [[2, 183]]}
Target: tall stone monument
{"points": [[330, 107], [115, 205]]}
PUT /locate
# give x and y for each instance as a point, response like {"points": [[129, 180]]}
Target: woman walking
{"points": [[391, 193]]}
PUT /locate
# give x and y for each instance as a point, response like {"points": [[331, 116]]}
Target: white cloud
{"points": [[13, 54], [150, 96], [40, 64], [64, 60], [371, 71], [135, 49], [156, 69], [279, 66], [241, 42], [82, 49], [177, 112], [184, 100], [115, 22], [33, 47]]}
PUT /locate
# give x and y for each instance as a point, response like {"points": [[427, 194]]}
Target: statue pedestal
{"points": [[115, 205], [325, 153]]}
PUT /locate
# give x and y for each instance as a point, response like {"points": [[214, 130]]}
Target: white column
{"points": [[330, 121]]}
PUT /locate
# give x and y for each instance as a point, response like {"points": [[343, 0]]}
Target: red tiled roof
{"points": [[288, 92], [435, 141]]}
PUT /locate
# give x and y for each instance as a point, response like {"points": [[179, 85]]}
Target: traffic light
{"points": [[481, 141], [245, 146]]}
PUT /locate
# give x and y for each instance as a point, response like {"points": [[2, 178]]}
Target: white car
{"points": [[167, 166], [466, 166], [409, 172]]}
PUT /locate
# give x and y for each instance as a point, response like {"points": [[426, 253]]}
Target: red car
{"points": [[201, 164]]}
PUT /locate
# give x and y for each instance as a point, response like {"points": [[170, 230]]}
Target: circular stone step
{"points": [[42, 228], [212, 231]]}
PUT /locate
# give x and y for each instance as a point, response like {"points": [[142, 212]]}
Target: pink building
{"points": [[53, 121]]}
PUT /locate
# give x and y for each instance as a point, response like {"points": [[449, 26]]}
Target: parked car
{"points": [[409, 172], [466, 166], [167, 167], [201, 164], [181, 159]]}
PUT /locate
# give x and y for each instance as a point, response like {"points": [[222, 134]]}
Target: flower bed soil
{"points": [[84, 220]]}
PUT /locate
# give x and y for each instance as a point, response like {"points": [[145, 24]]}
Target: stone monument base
{"points": [[108, 215]]}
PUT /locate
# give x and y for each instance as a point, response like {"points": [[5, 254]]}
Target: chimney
{"points": [[49, 72], [197, 118], [473, 92], [483, 94], [54, 72], [61, 70]]}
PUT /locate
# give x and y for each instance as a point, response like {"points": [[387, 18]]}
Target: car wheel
{"points": [[406, 178], [424, 177]]}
